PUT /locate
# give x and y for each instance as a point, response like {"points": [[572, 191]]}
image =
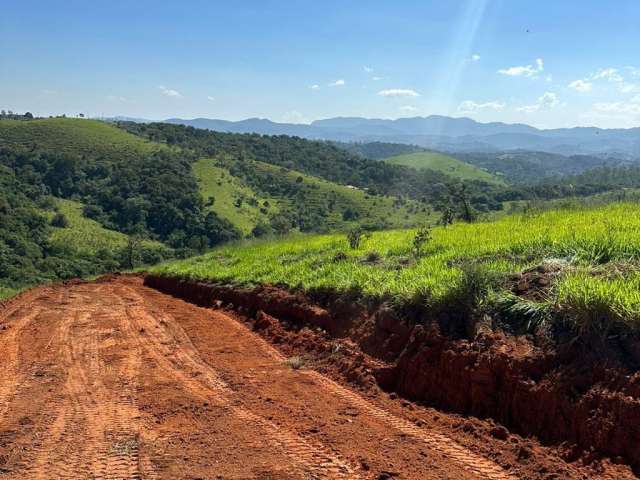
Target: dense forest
{"points": [[378, 150], [525, 167], [322, 160]]}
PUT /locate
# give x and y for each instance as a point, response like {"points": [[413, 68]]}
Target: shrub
{"points": [[420, 239], [355, 237], [59, 221]]}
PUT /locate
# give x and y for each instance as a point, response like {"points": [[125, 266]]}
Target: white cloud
{"points": [[367, 69], [210, 98], [524, 70], [546, 101], [398, 92], [583, 86], [116, 98], [475, 57], [337, 83], [629, 87], [315, 86], [618, 108], [614, 76], [610, 74], [408, 109], [469, 106], [529, 108], [376, 79], [48, 92], [169, 92]]}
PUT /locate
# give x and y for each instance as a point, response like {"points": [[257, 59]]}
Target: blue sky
{"points": [[547, 63]]}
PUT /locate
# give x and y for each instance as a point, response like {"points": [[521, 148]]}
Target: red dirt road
{"points": [[112, 380]]}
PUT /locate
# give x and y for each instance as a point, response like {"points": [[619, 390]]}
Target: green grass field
{"points": [[86, 236], [597, 250], [227, 190], [89, 138], [445, 164]]}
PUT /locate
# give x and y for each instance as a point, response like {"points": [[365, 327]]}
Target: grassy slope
{"points": [[593, 242], [225, 188], [90, 138], [217, 182], [370, 208], [445, 164], [85, 235]]}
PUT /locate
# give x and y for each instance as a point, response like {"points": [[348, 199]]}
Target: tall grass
{"points": [[584, 237]]}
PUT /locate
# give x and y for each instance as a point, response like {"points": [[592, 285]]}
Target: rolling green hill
{"points": [[445, 164], [88, 138], [248, 193]]}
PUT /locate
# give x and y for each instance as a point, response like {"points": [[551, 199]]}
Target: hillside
{"points": [[86, 237], [85, 138], [584, 244], [231, 198], [378, 150], [531, 166], [326, 161], [445, 164], [253, 193]]}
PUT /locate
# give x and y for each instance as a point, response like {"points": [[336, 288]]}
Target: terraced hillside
{"points": [[445, 164]]}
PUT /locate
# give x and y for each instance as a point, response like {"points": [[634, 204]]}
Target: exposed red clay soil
{"points": [[114, 380], [587, 408]]}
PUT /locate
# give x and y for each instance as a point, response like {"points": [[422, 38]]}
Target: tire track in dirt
{"points": [[180, 359], [94, 433], [468, 460]]}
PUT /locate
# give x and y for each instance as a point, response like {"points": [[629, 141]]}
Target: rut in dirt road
{"points": [[111, 380]]}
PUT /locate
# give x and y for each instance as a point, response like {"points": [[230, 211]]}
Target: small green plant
{"points": [[355, 237], [420, 239]]}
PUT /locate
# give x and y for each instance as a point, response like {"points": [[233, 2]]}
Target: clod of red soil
{"points": [[564, 395]]}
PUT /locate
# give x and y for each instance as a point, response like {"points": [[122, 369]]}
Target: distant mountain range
{"points": [[443, 133]]}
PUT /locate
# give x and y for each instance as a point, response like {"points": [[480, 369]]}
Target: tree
{"points": [[132, 251]]}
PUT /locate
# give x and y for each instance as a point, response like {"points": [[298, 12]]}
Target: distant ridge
{"points": [[442, 133]]}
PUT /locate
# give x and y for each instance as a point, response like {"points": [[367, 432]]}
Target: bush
{"points": [[420, 239], [354, 237], [59, 221]]}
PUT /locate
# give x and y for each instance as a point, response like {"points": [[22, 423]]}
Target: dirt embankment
{"points": [[563, 396]]}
